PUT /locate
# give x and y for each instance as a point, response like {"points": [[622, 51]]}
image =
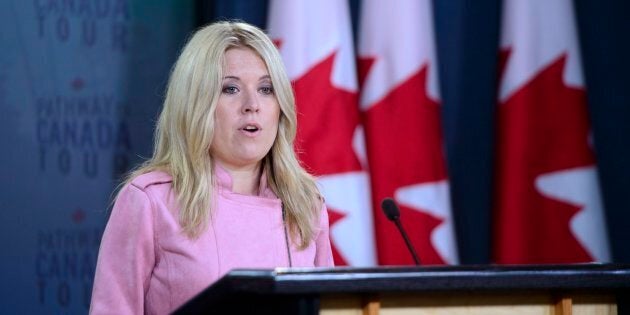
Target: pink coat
{"points": [[147, 266]]}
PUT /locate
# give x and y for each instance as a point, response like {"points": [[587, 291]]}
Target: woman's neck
{"points": [[245, 180]]}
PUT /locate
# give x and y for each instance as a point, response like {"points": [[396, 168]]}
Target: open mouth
{"points": [[251, 128]]}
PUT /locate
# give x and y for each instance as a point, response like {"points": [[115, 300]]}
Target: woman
{"points": [[223, 189]]}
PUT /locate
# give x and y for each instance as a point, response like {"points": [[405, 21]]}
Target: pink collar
{"points": [[224, 182]]}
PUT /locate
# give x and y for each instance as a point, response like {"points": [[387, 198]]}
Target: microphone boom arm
{"points": [[416, 259]]}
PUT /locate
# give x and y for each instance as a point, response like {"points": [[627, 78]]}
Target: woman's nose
{"points": [[251, 104]]}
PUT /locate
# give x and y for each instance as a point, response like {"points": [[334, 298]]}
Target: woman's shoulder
{"points": [[153, 185], [145, 180]]}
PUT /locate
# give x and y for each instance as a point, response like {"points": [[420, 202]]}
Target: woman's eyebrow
{"points": [[264, 77]]}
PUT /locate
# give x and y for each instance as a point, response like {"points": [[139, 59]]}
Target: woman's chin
{"points": [[242, 161]]}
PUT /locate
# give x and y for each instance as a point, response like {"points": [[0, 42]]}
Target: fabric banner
{"points": [[81, 83], [400, 104], [547, 202], [315, 40]]}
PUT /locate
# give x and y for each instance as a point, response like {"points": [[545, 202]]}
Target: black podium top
{"points": [[312, 282]]}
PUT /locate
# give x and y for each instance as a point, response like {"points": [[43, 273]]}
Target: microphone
{"points": [[393, 214]]}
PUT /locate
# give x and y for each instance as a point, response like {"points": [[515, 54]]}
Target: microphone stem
{"points": [[408, 242]]}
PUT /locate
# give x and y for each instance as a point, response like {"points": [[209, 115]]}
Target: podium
{"points": [[487, 289]]}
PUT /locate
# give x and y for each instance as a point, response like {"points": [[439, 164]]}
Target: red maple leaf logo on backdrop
{"points": [[543, 127], [78, 216], [404, 144], [327, 119]]}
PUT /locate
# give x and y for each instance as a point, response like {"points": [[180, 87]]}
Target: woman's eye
{"points": [[266, 90], [230, 89]]}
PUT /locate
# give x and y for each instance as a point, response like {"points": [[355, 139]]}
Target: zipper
{"points": [[286, 236]]}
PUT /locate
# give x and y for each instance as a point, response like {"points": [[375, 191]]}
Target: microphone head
{"points": [[390, 209]]}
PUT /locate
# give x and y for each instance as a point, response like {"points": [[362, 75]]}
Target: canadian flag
{"points": [[401, 111], [548, 207], [315, 40]]}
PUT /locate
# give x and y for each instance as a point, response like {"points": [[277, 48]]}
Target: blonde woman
{"points": [[223, 189]]}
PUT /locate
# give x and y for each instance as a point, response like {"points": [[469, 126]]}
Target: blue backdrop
{"points": [[81, 83], [80, 86]]}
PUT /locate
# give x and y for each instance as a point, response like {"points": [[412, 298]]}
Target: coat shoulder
{"points": [[152, 178]]}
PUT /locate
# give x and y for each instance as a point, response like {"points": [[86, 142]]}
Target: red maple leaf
{"points": [[404, 143], [543, 127], [333, 217], [327, 119], [277, 42]]}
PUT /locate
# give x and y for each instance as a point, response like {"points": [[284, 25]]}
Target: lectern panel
{"points": [[471, 303]]}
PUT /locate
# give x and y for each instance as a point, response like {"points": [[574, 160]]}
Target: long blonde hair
{"points": [[185, 131]]}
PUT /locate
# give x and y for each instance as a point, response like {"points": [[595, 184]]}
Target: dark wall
{"points": [[605, 39]]}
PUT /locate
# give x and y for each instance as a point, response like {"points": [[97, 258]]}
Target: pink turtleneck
{"points": [[147, 266]]}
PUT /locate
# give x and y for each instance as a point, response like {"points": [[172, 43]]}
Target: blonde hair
{"points": [[185, 131]]}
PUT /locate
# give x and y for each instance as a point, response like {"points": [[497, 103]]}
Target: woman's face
{"points": [[247, 113]]}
